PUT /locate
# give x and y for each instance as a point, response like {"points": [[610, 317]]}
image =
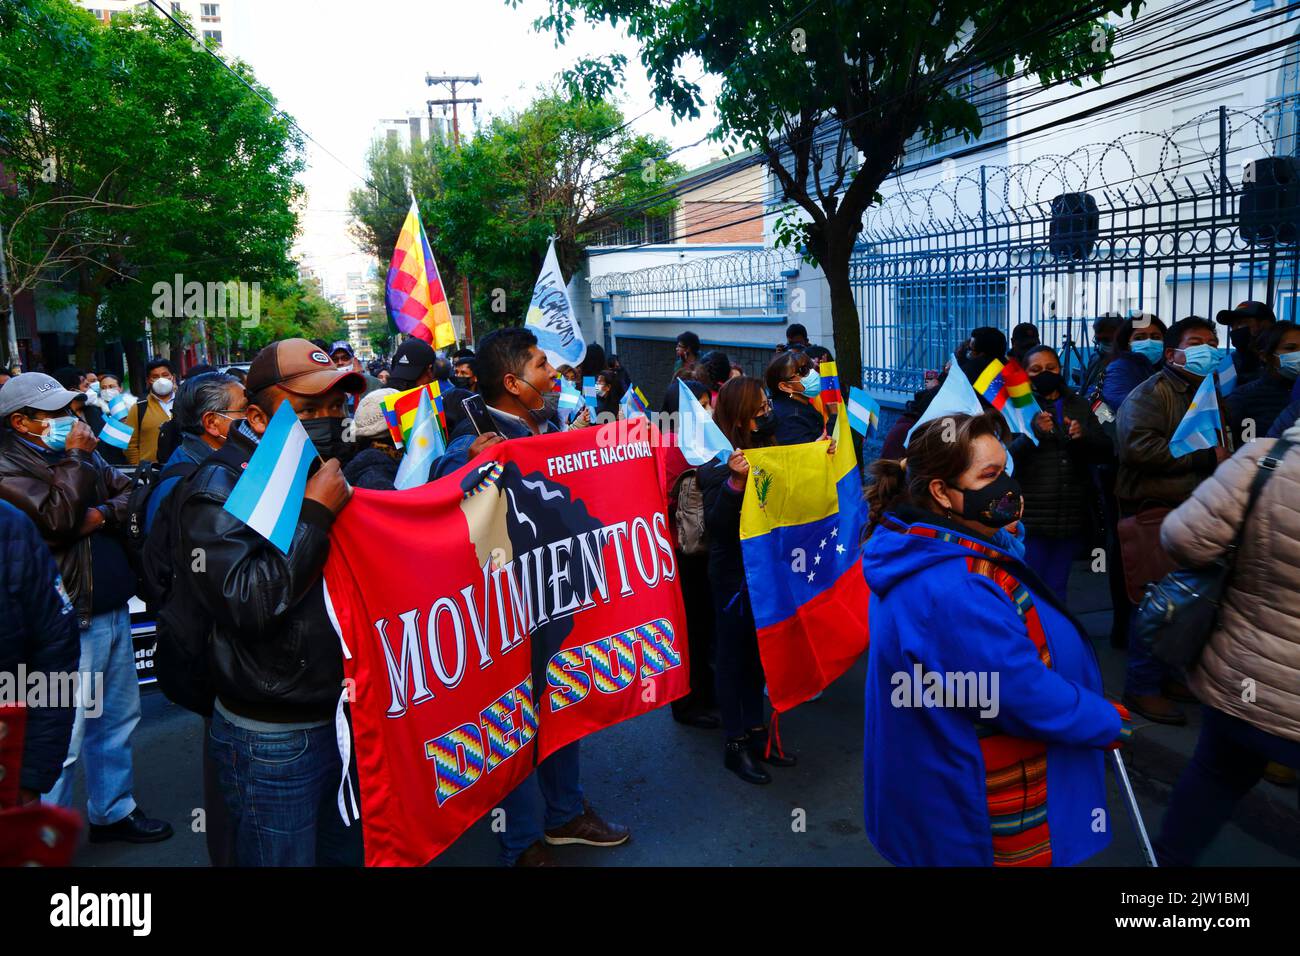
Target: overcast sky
{"points": [[339, 66]]}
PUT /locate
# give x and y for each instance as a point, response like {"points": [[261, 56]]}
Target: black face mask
{"points": [[1045, 383], [766, 425], [327, 435], [461, 381], [995, 505], [1241, 337]]}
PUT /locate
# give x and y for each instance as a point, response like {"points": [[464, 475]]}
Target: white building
{"points": [[208, 21]]}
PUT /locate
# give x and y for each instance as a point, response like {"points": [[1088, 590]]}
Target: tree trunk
{"points": [[89, 294], [845, 320]]}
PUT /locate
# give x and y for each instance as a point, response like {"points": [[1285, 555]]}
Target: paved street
{"points": [[667, 783]]}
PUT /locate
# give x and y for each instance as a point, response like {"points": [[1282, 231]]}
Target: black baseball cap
{"points": [[412, 359], [1246, 310]]}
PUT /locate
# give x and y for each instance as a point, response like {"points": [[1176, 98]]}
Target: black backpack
{"points": [[183, 627], [151, 577]]}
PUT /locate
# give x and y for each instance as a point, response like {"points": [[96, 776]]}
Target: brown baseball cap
{"points": [[300, 367]]}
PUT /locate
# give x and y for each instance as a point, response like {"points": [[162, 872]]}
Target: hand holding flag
{"points": [[1200, 426]]}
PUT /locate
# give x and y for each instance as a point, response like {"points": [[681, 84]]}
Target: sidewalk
{"points": [[1157, 753]]}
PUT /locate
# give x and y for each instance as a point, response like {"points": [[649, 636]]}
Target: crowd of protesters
{"points": [[972, 536]]}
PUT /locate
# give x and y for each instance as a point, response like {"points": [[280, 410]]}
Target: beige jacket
{"points": [[1256, 647], [143, 445]]}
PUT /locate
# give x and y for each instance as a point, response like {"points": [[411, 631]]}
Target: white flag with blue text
{"points": [[551, 317]]}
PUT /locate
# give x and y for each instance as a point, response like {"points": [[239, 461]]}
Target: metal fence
{"points": [[978, 249], [743, 284]]}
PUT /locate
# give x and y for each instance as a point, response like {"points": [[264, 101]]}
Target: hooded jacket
{"points": [[1256, 643], [372, 468], [1260, 401], [1054, 473], [937, 605]]}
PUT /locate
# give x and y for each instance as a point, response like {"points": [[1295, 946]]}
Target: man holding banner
{"points": [[274, 659], [513, 377]]}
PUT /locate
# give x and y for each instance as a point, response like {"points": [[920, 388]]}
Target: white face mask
{"points": [[163, 387], [109, 394]]}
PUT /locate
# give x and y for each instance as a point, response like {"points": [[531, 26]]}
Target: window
{"points": [[988, 92], [213, 35], [176, 7], [210, 11], [935, 313]]}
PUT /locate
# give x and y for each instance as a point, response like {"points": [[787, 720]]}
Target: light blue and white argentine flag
{"points": [[955, 396], [863, 411], [570, 397], [1227, 372], [551, 317], [1200, 426], [116, 433], [268, 495], [117, 407], [424, 448], [698, 436]]}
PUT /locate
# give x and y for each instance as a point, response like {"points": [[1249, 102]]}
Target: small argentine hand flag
{"points": [[1200, 426], [570, 397], [424, 448], [698, 436], [955, 395], [268, 496], [1227, 372], [117, 407], [116, 433], [863, 411], [589, 392]]}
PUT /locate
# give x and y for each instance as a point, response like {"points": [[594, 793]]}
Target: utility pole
{"points": [[452, 82]]}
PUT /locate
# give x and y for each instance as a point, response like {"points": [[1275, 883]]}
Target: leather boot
{"points": [[1156, 708], [740, 761]]}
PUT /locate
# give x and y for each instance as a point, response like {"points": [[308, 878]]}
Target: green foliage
{"points": [[138, 158], [562, 167], [832, 91]]}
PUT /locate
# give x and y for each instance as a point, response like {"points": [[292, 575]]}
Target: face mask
{"points": [[460, 381], [812, 383], [538, 415], [995, 505], [1045, 383], [1241, 337], [1288, 364], [1201, 360], [94, 387], [326, 434], [1149, 349], [766, 425], [110, 393], [57, 431], [163, 387], [1105, 348]]}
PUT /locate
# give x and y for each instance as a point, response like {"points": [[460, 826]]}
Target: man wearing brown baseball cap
{"points": [[274, 664]]}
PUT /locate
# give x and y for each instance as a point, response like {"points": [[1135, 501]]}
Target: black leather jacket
{"points": [[56, 496], [274, 654]]}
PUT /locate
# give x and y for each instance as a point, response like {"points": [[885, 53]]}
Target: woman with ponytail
{"points": [[744, 414], [985, 720]]}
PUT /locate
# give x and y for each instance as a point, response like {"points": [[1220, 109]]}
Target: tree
{"points": [[832, 92], [564, 166], [192, 173]]}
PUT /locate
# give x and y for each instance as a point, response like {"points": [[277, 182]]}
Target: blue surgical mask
{"points": [[1288, 364], [1149, 349], [1201, 360], [812, 383], [57, 431]]}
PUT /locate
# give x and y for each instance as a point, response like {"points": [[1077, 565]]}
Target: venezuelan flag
{"points": [[1006, 387], [800, 525], [400, 409], [417, 302]]}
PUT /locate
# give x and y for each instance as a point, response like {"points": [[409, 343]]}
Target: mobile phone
{"points": [[477, 412]]}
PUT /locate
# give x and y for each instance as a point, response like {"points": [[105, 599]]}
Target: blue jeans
{"points": [[561, 792], [1145, 673], [1052, 559], [1230, 758], [281, 795], [101, 731]]}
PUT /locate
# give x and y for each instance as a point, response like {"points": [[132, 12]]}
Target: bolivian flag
{"points": [[800, 525], [400, 409]]}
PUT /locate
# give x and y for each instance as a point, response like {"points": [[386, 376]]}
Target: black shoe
{"points": [[698, 719], [135, 827], [758, 749], [740, 762]]}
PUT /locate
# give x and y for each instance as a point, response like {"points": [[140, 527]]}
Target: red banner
{"points": [[495, 615]]}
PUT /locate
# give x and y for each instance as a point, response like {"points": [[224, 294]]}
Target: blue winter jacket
{"points": [[1126, 371], [924, 769], [38, 629]]}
